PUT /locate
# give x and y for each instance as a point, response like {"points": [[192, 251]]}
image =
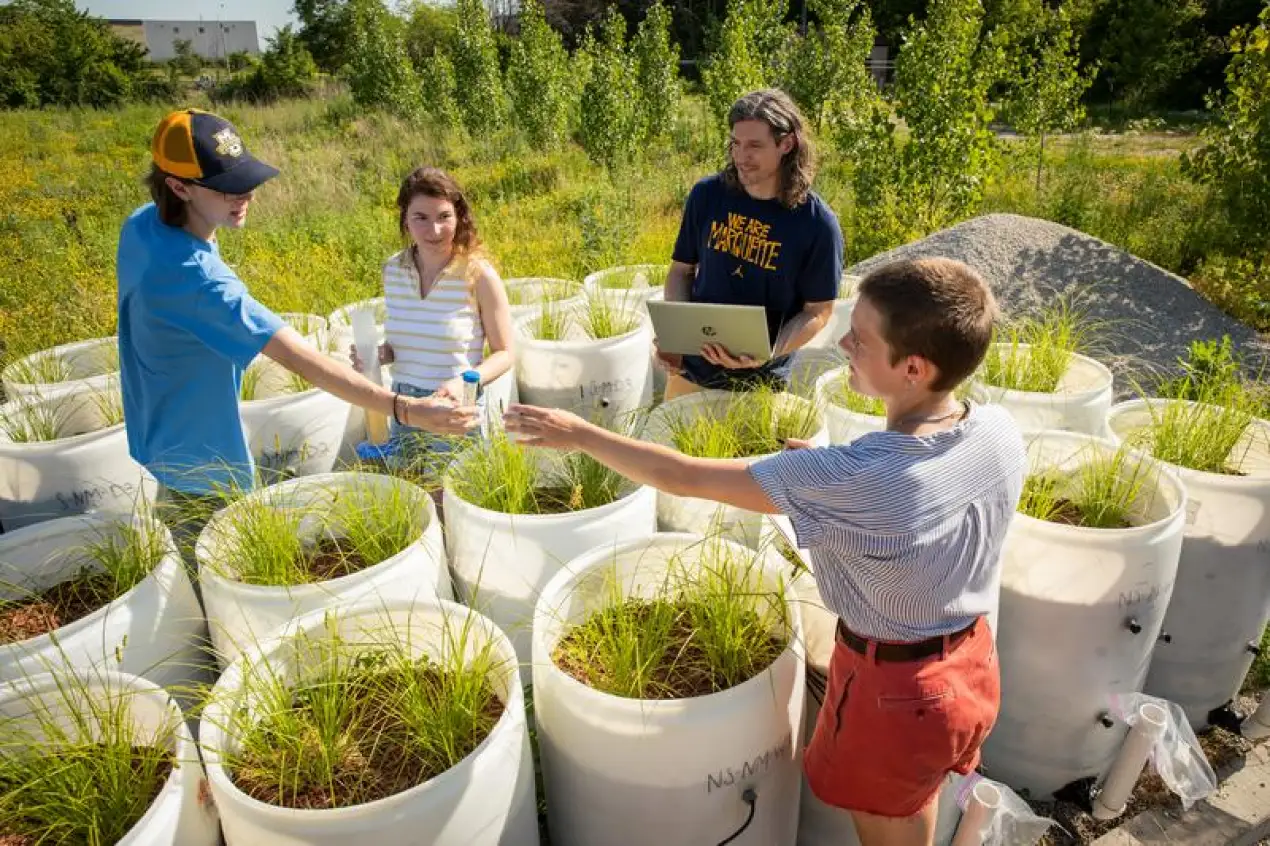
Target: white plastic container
{"points": [[808, 365], [529, 290], [487, 799], [839, 324], [242, 615], [156, 630], [87, 364], [314, 327], [648, 283], [501, 562], [1222, 600], [340, 321], [1081, 611], [844, 424], [292, 434], [700, 516], [89, 469], [626, 771], [1078, 404], [602, 380], [178, 816]]}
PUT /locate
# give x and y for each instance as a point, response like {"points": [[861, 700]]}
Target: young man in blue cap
{"points": [[188, 326]]}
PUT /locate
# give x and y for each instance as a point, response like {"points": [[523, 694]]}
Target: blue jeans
{"points": [[415, 445]]}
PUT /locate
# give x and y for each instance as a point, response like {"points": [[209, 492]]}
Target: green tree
{"points": [[1145, 46], [429, 27], [53, 54], [1235, 156], [185, 61], [440, 99], [748, 53], [286, 69], [326, 28], [1046, 94], [826, 70], [610, 118], [656, 72], [482, 99], [537, 79], [943, 77], [379, 72]]}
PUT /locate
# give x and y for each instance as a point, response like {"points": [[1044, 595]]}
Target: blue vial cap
{"points": [[471, 376], [367, 451]]}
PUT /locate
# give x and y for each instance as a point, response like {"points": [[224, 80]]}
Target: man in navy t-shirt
{"points": [[188, 326], [756, 234]]}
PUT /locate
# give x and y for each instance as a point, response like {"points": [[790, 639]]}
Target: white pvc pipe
{"points": [[1111, 800], [981, 809], [1257, 726]]}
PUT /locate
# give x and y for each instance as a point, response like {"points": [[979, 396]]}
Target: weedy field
{"points": [[317, 235]]}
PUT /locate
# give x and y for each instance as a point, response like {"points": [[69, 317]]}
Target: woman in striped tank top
{"points": [[445, 302]]}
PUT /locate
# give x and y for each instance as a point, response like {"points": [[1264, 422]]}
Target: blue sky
{"points": [[269, 15]]}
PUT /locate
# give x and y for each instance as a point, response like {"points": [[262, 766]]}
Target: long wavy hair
{"points": [[436, 183], [798, 167]]}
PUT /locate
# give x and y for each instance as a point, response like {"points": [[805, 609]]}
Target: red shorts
{"points": [[889, 732]]}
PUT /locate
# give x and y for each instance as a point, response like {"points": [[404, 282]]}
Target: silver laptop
{"points": [[684, 328]]}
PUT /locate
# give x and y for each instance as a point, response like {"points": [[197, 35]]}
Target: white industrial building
{"points": [[212, 40]]}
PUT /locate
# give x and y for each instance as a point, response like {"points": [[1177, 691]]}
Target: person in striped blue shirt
{"points": [[905, 528]]}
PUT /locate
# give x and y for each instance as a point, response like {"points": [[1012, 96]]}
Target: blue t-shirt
{"points": [[187, 330], [756, 252]]}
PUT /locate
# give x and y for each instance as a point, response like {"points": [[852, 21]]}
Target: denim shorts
{"points": [[412, 442]]}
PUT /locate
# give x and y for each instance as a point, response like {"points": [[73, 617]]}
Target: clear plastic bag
{"points": [[1013, 823], [1176, 753]]}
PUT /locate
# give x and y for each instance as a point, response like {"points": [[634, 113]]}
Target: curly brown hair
{"points": [[798, 167], [436, 183]]}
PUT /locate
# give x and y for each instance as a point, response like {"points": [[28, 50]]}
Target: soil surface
{"points": [[1225, 752], [334, 558], [60, 605], [16, 833], [378, 754], [683, 670]]}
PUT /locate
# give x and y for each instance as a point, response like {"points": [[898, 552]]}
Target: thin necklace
{"points": [[961, 407]]}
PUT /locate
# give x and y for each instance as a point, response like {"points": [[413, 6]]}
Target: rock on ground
{"points": [[1151, 315]]}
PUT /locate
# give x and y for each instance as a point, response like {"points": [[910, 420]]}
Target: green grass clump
{"points": [[500, 475], [547, 291], [33, 421], [1053, 337], [262, 542], [750, 424], [1203, 435], [371, 722], [714, 625], [74, 771], [113, 562], [598, 319], [639, 276], [41, 370], [1102, 492], [840, 394]]}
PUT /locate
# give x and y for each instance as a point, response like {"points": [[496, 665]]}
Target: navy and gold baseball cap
{"points": [[206, 149]]}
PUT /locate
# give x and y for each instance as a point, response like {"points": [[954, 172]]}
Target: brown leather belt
{"points": [[896, 652]]}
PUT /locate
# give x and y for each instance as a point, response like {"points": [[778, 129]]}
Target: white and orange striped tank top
{"points": [[437, 337]]}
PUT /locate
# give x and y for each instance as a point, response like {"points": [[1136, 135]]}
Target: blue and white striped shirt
{"points": [[905, 532]]}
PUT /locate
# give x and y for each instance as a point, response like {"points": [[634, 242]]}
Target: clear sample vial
{"points": [[471, 383]]}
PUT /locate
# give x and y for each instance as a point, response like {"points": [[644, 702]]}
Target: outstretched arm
{"points": [[720, 480]]}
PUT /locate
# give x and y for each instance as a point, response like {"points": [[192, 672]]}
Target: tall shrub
{"points": [[379, 71], [477, 74], [826, 70], [537, 79], [610, 117], [1235, 156], [440, 93], [748, 53], [657, 72]]}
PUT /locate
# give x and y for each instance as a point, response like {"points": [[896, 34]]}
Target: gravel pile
{"points": [[1153, 315]]}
